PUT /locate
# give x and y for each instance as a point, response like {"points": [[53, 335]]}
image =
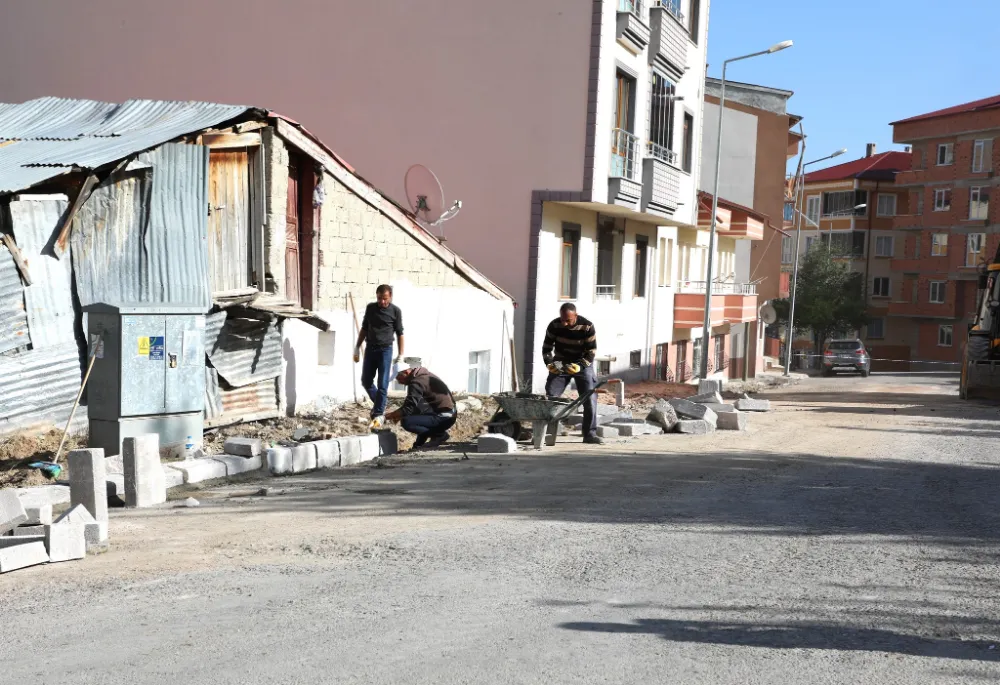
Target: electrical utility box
{"points": [[148, 376]]}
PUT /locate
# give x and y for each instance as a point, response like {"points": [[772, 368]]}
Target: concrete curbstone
{"points": [[495, 443], [235, 465], [244, 447], [370, 447], [198, 470], [722, 408], [38, 515], [21, 552], [29, 531], [733, 421], [114, 464], [663, 414], [12, 513], [144, 482], [706, 398], [65, 541], [695, 427], [91, 528], [279, 461], [747, 404], [350, 450], [172, 478], [88, 484], [304, 458], [691, 410], [57, 493], [709, 386], [327, 454], [607, 432]]}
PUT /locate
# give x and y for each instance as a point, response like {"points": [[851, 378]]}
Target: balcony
{"points": [[624, 183], [926, 310], [669, 37], [632, 30], [661, 181], [731, 302]]}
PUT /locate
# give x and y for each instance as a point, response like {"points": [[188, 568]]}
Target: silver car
{"points": [[846, 354]]}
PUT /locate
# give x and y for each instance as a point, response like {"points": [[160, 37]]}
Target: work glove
{"points": [[572, 369], [357, 354], [554, 368]]}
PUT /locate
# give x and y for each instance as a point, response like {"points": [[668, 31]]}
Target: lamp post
{"points": [[800, 188], [706, 333]]}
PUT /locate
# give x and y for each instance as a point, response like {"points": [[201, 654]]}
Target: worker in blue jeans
{"points": [[382, 321]]}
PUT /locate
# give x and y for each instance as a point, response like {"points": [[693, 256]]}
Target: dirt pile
{"points": [[17, 451]]}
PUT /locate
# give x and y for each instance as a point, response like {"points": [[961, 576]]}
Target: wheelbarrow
{"points": [[544, 414]]}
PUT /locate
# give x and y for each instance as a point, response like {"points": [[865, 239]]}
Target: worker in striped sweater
{"points": [[568, 351]]}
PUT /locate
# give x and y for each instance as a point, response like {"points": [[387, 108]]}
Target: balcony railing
{"points": [[606, 292], [672, 6], [718, 288], [635, 7], [624, 154], [663, 154]]}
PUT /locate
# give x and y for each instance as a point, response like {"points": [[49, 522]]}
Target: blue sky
{"points": [[858, 65]]}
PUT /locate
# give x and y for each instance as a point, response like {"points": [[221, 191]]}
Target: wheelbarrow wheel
{"points": [[504, 425]]}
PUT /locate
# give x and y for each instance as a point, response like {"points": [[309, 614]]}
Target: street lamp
{"points": [[703, 367], [790, 333]]}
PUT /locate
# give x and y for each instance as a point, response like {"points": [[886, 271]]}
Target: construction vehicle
{"points": [[981, 355]]}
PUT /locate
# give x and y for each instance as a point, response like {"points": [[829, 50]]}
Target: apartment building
{"points": [[951, 231], [851, 207], [756, 145]]}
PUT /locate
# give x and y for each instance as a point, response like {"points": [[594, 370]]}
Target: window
{"points": [[688, 142], [604, 367], [974, 248], [945, 154], [937, 292], [881, 287], [843, 202], [570, 261], [939, 245], [883, 246], [624, 97], [812, 209], [944, 336], [719, 356], [789, 212], [810, 241], [886, 204], [979, 202], [661, 119], [695, 18], [942, 200], [479, 372], [920, 204], [876, 329], [624, 155], [845, 243], [635, 359], [608, 259], [666, 260], [641, 250], [787, 245], [978, 156]]}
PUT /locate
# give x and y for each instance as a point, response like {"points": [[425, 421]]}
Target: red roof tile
{"points": [[974, 106], [884, 161]]}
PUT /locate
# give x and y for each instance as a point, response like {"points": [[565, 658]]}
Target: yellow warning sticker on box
{"points": [[144, 346]]}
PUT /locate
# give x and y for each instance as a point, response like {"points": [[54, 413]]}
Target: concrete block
{"points": [[694, 427], [304, 458], [244, 447], [198, 470], [350, 450], [722, 408], [620, 394], [12, 512], [88, 484], [753, 405], [733, 421], [327, 454], [387, 443], [91, 528], [21, 552], [144, 482], [66, 541], [663, 415], [279, 461], [29, 531], [115, 464], [607, 432], [632, 430], [494, 443], [370, 447], [235, 465], [706, 398], [691, 410], [38, 515], [605, 414], [57, 493], [709, 386], [172, 478]]}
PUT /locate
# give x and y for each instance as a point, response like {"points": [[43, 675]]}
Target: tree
{"points": [[830, 298]]}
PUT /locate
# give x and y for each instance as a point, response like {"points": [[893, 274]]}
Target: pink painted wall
{"points": [[491, 95]]}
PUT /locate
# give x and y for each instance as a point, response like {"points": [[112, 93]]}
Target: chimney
{"points": [[907, 149], [869, 149]]}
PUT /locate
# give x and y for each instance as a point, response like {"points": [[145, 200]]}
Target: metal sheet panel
{"points": [[52, 135], [13, 319], [48, 301], [243, 351], [39, 388], [251, 402]]}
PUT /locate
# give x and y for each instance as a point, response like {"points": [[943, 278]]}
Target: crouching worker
{"points": [[429, 409]]}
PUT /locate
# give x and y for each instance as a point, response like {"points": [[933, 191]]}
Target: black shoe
{"points": [[419, 442], [438, 440], [593, 440]]}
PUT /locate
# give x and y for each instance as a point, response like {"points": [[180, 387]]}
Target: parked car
{"points": [[846, 354]]}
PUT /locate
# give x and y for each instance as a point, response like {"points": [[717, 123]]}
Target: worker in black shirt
{"points": [[383, 320], [568, 350]]}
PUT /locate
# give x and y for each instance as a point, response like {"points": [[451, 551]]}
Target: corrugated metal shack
{"points": [[140, 203]]}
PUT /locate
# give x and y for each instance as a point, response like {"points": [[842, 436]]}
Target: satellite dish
{"points": [[768, 314], [426, 198]]}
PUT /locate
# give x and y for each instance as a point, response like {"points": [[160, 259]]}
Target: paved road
{"points": [[849, 537]]}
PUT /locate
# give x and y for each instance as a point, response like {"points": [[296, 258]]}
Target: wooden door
{"points": [[293, 278], [229, 219], [682, 374]]}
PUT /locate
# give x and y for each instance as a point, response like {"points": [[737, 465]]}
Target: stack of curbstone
{"points": [[696, 419], [664, 415]]}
